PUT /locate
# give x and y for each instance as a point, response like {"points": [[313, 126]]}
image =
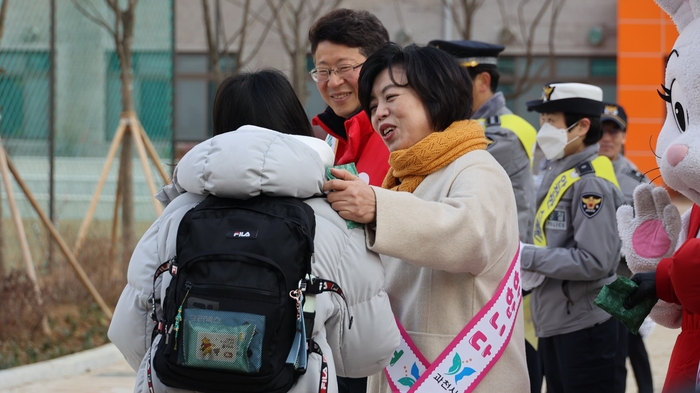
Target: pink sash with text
{"points": [[470, 356]]}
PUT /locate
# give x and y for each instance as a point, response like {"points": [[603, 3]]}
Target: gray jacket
{"points": [[507, 149], [629, 177], [242, 164], [582, 252]]}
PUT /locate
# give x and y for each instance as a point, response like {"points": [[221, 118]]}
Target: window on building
{"points": [[24, 94], [605, 67], [152, 93], [195, 90]]}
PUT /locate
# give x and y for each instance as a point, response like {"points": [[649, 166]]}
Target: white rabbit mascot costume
{"points": [[655, 237]]}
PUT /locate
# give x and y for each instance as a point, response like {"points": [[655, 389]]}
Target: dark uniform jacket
{"points": [[629, 177], [507, 149], [582, 253]]}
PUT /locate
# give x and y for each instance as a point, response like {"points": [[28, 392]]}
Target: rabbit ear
{"points": [[681, 11]]}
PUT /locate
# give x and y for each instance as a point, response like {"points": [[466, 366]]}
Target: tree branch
{"points": [[260, 18], [504, 12], [525, 82], [3, 15], [261, 38], [283, 31], [462, 13], [208, 30], [97, 19]]}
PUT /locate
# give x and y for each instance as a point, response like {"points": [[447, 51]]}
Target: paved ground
{"points": [[101, 369], [119, 378], [109, 373], [659, 345]]}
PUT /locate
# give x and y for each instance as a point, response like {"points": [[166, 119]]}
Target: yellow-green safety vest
{"points": [[603, 168], [525, 132]]}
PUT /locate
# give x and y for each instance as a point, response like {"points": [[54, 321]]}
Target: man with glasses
{"points": [[341, 41], [614, 122]]}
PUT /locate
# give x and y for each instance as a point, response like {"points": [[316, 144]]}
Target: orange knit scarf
{"points": [[410, 166]]}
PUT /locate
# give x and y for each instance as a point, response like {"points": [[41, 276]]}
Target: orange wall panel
{"points": [[643, 103], [645, 37], [639, 71], [638, 37], [640, 146], [638, 138], [637, 9]]}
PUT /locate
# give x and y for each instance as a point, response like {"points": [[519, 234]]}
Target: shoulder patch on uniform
{"points": [[493, 121], [584, 168], [636, 175], [490, 142], [591, 203]]}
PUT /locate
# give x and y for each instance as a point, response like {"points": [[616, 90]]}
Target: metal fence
{"points": [[60, 102]]}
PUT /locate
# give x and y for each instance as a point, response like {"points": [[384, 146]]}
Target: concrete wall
{"points": [[424, 20]]}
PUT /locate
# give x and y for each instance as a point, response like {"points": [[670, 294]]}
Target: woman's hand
{"points": [[351, 197]]}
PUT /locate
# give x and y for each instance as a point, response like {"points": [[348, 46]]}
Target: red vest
{"points": [[363, 146]]}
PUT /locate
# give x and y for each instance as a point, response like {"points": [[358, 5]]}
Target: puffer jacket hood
{"points": [[253, 160]]}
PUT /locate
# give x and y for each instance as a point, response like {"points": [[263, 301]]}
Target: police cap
{"points": [[615, 113], [471, 53], [574, 98]]}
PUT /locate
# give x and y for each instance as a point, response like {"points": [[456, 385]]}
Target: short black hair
{"points": [[595, 131], [352, 28], [493, 72], [264, 98], [444, 87]]}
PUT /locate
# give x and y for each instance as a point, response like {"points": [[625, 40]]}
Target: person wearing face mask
{"points": [[614, 120], [576, 246]]}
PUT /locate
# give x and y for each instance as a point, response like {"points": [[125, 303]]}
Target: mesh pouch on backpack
{"points": [[231, 320]]}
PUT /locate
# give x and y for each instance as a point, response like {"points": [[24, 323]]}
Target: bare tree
{"points": [[292, 24], [527, 29], [221, 44], [121, 29], [3, 15], [462, 12]]}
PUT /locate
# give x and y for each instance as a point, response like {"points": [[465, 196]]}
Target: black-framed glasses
{"points": [[341, 71]]}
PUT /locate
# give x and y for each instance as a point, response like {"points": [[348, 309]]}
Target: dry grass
{"points": [[76, 322]]}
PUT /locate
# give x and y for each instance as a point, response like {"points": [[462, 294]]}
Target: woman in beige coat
{"points": [[446, 225]]}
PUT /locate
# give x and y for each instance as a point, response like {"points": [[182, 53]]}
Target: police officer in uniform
{"points": [[576, 246], [614, 120], [512, 138]]}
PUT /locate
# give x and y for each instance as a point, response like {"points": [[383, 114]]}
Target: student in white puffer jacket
{"points": [[242, 164]]}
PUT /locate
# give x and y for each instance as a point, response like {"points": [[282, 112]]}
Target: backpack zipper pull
{"points": [[178, 317], [296, 295]]}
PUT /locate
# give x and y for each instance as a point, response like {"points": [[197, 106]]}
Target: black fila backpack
{"points": [[233, 317]]}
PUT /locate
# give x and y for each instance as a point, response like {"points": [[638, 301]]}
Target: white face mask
{"points": [[553, 140]]}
